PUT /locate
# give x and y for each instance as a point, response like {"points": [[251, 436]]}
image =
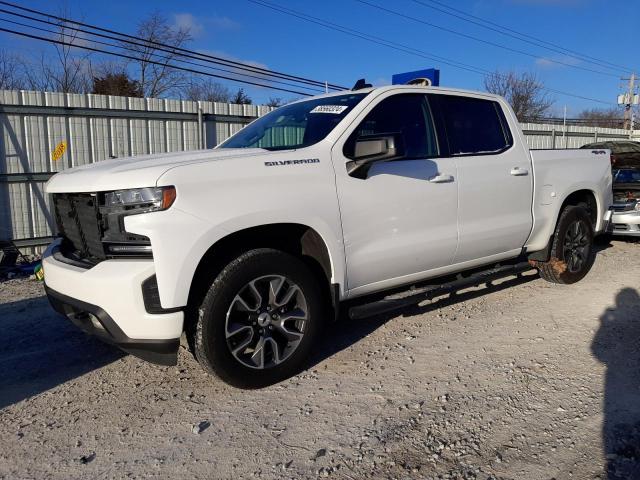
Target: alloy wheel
{"points": [[266, 321], [576, 245]]}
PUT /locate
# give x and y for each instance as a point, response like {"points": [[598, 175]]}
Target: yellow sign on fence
{"points": [[58, 152]]}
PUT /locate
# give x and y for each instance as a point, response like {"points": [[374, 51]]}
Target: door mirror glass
{"points": [[374, 148]]}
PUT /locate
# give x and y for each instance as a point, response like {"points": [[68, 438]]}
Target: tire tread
{"points": [[201, 343], [548, 270]]}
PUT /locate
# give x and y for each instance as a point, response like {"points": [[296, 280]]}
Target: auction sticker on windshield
{"points": [[330, 109]]}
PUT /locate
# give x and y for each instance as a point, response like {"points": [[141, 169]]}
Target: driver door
{"points": [[400, 219]]}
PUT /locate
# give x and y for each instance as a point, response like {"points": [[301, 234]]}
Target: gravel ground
{"points": [[526, 380]]}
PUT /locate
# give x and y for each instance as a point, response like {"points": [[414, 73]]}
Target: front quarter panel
{"points": [[215, 199]]}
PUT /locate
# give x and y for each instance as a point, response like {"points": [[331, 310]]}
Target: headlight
{"points": [[117, 205], [140, 200], [637, 206]]}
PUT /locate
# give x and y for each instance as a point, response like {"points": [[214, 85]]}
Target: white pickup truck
{"points": [[250, 247]]}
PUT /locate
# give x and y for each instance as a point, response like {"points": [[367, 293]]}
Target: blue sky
{"points": [[245, 31]]}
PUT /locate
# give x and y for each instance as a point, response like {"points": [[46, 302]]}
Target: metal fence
{"points": [[97, 127], [93, 128], [540, 135]]}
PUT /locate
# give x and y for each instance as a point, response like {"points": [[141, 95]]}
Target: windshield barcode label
{"points": [[329, 109]]}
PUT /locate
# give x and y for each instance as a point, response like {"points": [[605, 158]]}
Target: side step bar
{"points": [[414, 296]]}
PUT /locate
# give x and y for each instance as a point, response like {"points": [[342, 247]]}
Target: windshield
{"points": [[296, 125], [626, 175]]}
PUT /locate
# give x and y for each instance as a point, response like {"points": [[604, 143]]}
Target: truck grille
{"points": [[80, 224]]}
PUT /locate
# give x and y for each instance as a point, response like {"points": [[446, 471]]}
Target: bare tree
{"points": [[274, 102], [157, 79], [241, 97], [11, 77], [69, 70], [523, 91], [206, 90], [605, 117]]}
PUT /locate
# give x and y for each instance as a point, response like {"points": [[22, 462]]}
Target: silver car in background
{"points": [[626, 202]]}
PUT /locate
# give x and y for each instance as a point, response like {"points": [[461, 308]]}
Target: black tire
{"points": [[572, 253], [224, 309]]}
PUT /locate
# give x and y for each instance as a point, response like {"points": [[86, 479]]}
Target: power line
{"points": [[400, 47], [481, 40], [163, 57], [484, 23], [370, 38], [173, 49], [130, 57]]}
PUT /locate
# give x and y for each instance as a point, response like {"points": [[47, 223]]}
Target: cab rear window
{"points": [[474, 126]]}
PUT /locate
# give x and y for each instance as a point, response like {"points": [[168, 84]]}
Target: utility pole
{"points": [[629, 99], [564, 128]]}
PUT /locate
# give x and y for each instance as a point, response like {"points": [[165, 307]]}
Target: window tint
{"points": [[474, 125], [407, 114], [296, 125]]}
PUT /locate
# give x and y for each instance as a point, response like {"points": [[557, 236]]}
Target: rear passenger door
{"points": [[495, 181]]}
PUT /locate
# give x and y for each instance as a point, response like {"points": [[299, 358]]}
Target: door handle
{"points": [[441, 179], [519, 172]]}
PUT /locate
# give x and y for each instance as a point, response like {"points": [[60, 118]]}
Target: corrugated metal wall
{"points": [[541, 135], [96, 127]]}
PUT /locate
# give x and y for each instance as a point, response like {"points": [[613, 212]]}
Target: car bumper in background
{"points": [[606, 221], [117, 301], [626, 223]]}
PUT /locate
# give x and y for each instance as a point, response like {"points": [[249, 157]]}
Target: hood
{"points": [[139, 171]]}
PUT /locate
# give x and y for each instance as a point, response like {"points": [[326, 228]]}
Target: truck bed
{"points": [[556, 174]]}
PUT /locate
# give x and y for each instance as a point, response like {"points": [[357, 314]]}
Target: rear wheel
{"points": [[259, 320], [572, 252]]}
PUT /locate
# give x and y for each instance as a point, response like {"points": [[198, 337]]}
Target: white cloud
{"points": [[198, 25], [554, 62], [188, 22], [223, 23], [545, 63]]}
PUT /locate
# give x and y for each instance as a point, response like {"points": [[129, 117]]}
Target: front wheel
{"points": [[259, 320], [572, 253]]}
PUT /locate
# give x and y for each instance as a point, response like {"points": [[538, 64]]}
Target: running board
{"points": [[418, 295]]}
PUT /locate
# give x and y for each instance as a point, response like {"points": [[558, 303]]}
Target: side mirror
{"points": [[375, 148]]}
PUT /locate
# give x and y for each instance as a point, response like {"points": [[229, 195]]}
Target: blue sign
{"points": [[432, 74]]}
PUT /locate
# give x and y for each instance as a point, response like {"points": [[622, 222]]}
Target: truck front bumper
{"points": [[107, 300], [626, 223]]}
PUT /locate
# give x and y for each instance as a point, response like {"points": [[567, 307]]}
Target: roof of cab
{"points": [[386, 88]]}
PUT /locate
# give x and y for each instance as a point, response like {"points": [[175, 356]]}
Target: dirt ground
{"points": [[526, 380]]}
